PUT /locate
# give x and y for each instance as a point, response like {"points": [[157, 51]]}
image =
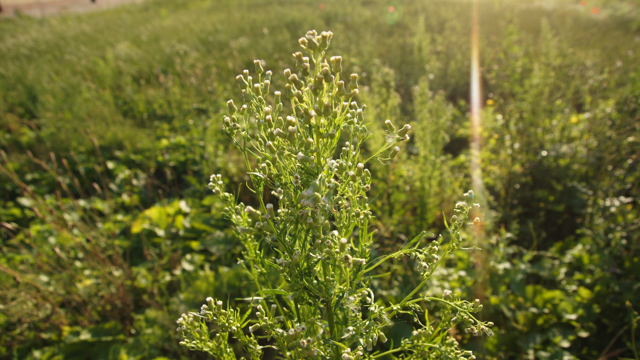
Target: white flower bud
{"points": [[254, 328], [394, 152]]}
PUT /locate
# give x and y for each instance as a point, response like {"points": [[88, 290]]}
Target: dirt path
{"points": [[40, 8]]}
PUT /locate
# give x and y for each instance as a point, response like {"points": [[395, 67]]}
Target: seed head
{"points": [[394, 152], [405, 129], [336, 64], [254, 328]]}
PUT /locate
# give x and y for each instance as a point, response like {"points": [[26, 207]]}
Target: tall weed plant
{"points": [[307, 245]]}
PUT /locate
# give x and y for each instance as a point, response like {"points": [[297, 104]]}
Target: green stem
{"points": [[406, 298], [387, 353], [330, 319], [385, 259], [444, 302], [332, 324], [384, 148]]}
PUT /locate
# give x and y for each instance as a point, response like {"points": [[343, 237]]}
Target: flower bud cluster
{"points": [[314, 42], [195, 330], [215, 183], [449, 349], [347, 354], [426, 259], [458, 220], [397, 135], [480, 329]]}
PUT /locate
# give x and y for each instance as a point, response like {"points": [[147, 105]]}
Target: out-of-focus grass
{"points": [[109, 122]]}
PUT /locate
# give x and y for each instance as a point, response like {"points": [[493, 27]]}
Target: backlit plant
{"points": [[306, 244]]}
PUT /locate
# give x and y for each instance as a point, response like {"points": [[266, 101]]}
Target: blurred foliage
{"points": [[109, 130]]}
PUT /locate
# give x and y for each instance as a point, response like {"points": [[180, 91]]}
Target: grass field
{"points": [[110, 125]]}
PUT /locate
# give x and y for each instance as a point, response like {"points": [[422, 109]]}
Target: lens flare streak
{"points": [[476, 103]]}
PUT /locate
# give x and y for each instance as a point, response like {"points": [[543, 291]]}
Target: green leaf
{"points": [[273, 292], [202, 227], [158, 215], [584, 294], [137, 226], [177, 222], [246, 315]]}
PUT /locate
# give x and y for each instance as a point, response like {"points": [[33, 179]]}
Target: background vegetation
{"points": [[110, 128]]}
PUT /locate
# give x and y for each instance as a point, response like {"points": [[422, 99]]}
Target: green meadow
{"points": [[111, 124]]}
